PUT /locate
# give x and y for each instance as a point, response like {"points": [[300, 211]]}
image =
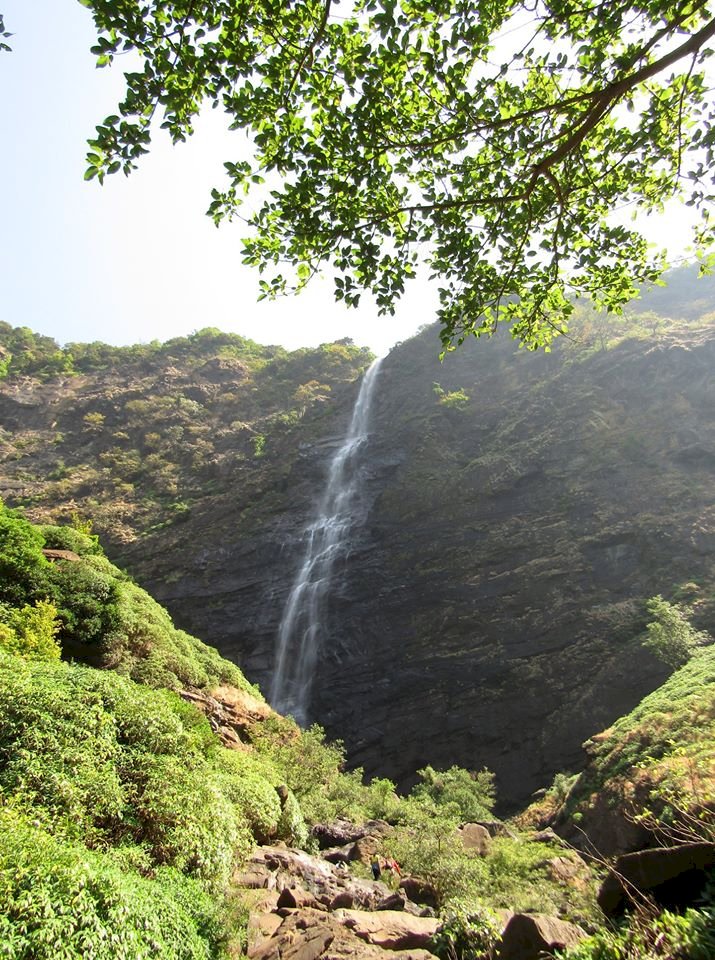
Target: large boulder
{"points": [[343, 832], [390, 929], [672, 876], [420, 891], [337, 833], [476, 838], [533, 936]]}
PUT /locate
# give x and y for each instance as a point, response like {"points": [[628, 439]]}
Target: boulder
{"points": [[339, 854], [365, 849], [337, 833], [476, 838], [295, 897], [395, 901], [342, 832], [390, 929], [304, 877], [420, 891], [496, 828], [672, 876], [532, 936], [571, 871]]}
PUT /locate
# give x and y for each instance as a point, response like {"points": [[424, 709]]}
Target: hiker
{"points": [[375, 867]]}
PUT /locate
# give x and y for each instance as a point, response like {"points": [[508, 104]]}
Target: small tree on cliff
{"points": [[489, 139], [670, 635]]}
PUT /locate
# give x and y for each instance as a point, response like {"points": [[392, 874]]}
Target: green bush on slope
{"points": [[63, 902], [104, 618], [666, 742], [98, 759]]}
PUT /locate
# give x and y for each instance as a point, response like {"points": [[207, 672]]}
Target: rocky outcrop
{"points": [[534, 936], [310, 935], [674, 877], [308, 908], [230, 712]]}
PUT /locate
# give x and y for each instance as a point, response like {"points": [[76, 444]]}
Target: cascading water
{"points": [[301, 629]]}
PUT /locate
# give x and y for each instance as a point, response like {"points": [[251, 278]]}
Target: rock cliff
{"points": [[516, 510]]}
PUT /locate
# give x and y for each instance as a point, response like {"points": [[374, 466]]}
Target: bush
{"points": [[670, 636], [96, 758], [472, 795], [645, 936], [467, 935], [30, 631], [24, 571], [63, 902], [70, 538]]}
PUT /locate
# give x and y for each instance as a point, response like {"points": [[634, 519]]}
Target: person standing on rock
{"points": [[375, 867]]}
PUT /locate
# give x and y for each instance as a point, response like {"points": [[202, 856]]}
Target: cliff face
{"points": [[513, 519]]}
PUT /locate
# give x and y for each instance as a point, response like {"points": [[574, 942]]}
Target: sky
{"points": [[137, 259]]}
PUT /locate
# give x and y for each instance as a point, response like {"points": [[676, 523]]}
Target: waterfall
{"points": [[301, 629]]}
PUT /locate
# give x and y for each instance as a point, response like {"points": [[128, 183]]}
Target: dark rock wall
{"points": [[490, 603], [488, 609]]}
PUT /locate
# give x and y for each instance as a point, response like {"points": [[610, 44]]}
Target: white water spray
{"points": [[301, 629]]}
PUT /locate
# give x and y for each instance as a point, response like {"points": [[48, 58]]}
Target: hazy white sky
{"points": [[136, 259]]}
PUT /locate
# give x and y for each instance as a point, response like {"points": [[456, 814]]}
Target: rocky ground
{"points": [[305, 908]]}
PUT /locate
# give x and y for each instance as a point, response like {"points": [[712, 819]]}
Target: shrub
{"points": [[467, 934], [648, 936], [30, 631], [471, 794], [670, 636], [70, 538], [94, 757], [63, 902]]}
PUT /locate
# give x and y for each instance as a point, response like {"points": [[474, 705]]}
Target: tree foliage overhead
{"points": [[490, 139]]}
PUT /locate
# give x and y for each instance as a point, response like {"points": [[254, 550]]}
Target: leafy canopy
{"points": [[488, 139]]}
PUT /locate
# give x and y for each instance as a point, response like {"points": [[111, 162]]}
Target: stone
{"points": [[61, 555], [419, 891], [532, 936], [476, 838], [338, 833], [294, 897], [390, 929], [365, 849], [339, 854], [395, 901], [569, 870], [672, 876]]}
